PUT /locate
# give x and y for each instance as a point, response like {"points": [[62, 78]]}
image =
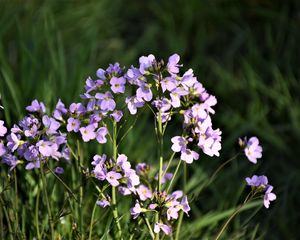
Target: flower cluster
{"points": [[177, 94], [36, 138], [116, 172], [260, 184], [253, 151]]}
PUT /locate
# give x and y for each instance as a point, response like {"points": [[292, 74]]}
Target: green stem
{"points": [[80, 190], [161, 161], [16, 202], [113, 191], [47, 201], [248, 198], [181, 213], [149, 226], [7, 218], [92, 220], [37, 215], [174, 175]]}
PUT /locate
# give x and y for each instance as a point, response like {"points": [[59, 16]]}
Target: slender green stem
{"points": [[92, 221], [220, 168], [113, 191], [149, 226], [181, 213], [7, 218], [37, 215], [174, 175], [16, 224], [161, 160], [80, 190], [64, 184], [169, 163], [248, 198], [47, 201]]}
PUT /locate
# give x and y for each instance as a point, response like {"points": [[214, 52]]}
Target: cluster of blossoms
{"points": [[138, 183], [36, 138], [177, 94], [253, 151]]}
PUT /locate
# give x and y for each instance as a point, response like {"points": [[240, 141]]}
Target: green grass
{"points": [[245, 52]]}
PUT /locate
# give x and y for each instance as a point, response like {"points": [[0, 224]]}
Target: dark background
{"points": [[246, 53]]}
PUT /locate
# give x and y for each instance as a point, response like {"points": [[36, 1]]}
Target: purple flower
{"points": [[168, 83], [31, 153], [269, 196], [31, 132], [3, 130], [198, 111], [59, 110], [113, 177], [253, 150], [146, 63], [88, 133], [133, 103], [51, 124], [73, 124], [144, 192], [142, 168], [101, 133], [99, 160], [77, 108], [13, 141], [172, 213], [132, 178], [123, 163], [144, 93], [10, 160], [136, 210], [106, 101], [59, 170], [117, 115], [124, 191], [33, 164], [165, 228], [257, 181], [118, 84], [173, 64], [101, 74], [189, 156], [100, 172], [2, 149], [179, 143], [185, 205], [36, 107], [103, 203]]}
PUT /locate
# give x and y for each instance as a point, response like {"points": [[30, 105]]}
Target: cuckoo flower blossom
{"points": [[165, 228], [252, 149], [3, 130]]}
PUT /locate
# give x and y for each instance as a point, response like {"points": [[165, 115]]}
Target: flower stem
{"points": [[248, 198], [161, 161], [16, 203], [149, 226], [37, 215], [80, 189], [113, 191], [7, 218], [92, 220], [181, 213], [174, 175], [47, 201]]}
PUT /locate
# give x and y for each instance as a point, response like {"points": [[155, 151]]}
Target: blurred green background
{"points": [[246, 53]]}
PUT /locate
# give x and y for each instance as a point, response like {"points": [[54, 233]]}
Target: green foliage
{"points": [[245, 52]]}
